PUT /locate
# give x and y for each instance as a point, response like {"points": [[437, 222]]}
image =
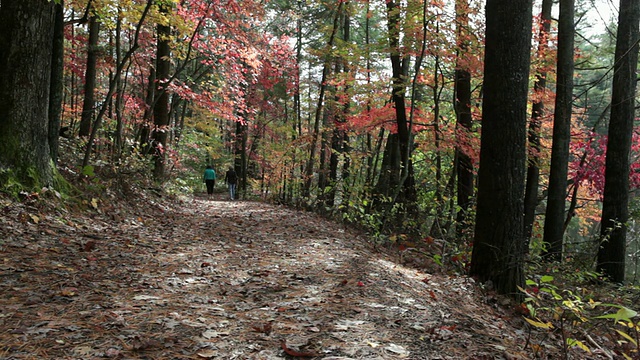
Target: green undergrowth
{"points": [[579, 312]]}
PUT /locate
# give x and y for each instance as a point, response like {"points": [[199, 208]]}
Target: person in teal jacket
{"points": [[210, 179]]}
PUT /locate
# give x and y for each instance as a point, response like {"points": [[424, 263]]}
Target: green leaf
{"points": [[531, 283], [546, 279], [623, 313], [88, 171]]}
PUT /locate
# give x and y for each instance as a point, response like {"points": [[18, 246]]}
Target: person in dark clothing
{"points": [[210, 179], [232, 181]]}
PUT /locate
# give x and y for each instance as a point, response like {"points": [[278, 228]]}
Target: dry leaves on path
{"points": [[202, 279]]}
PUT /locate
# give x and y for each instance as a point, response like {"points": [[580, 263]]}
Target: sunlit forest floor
{"points": [[153, 277]]}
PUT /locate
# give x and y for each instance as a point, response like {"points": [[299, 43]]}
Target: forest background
{"points": [[369, 112]]}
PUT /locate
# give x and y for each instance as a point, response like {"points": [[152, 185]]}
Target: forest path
{"points": [[218, 279]]}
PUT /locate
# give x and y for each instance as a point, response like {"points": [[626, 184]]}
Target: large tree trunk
{"points": [[537, 114], [26, 40], [554, 216], [497, 248], [615, 206]]}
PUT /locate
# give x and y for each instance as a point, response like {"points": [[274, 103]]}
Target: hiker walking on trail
{"points": [[232, 181], [210, 179]]}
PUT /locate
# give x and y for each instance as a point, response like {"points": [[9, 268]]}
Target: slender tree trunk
{"points": [[497, 246], [554, 216], [90, 77], [537, 114], [399, 67], [147, 118], [464, 166], [112, 86], [308, 172], [119, 136], [161, 105], [615, 204], [57, 82]]}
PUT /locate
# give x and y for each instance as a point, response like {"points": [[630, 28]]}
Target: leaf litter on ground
{"points": [[214, 279]]}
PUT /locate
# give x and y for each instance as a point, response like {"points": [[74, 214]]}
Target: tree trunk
{"points": [[464, 166], [161, 105], [399, 67], [57, 82], [26, 41], [554, 216], [497, 248], [308, 171], [537, 114], [90, 77], [615, 205]]}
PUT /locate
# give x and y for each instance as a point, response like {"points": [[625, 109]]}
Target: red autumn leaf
{"points": [[360, 283]]}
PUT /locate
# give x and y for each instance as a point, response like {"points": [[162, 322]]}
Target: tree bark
{"points": [[615, 204], [26, 41], [537, 114], [90, 77], [161, 105], [464, 166], [57, 80], [497, 249], [399, 70], [554, 216]]}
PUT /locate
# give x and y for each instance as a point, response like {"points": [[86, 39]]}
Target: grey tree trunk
{"points": [[90, 78]]}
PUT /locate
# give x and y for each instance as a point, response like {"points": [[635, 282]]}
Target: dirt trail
{"points": [[226, 280]]}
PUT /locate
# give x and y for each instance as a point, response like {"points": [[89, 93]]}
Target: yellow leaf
{"points": [[94, 203], [578, 343], [626, 336], [34, 218], [539, 324]]}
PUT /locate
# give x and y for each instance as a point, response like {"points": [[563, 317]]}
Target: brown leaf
{"points": [[292, 352], [262, 328]]}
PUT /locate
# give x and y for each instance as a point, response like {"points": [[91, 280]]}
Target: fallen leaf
{"points": [[292, 352], [208, 354]]}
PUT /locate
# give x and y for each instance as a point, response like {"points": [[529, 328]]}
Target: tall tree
{"points": [[537, 115], [161, 104], [497, 248], [615, 204], [464, 166], [404, 189], [308, 172], [26, 41], [554, 216], [57, 80], [90, 76]]}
